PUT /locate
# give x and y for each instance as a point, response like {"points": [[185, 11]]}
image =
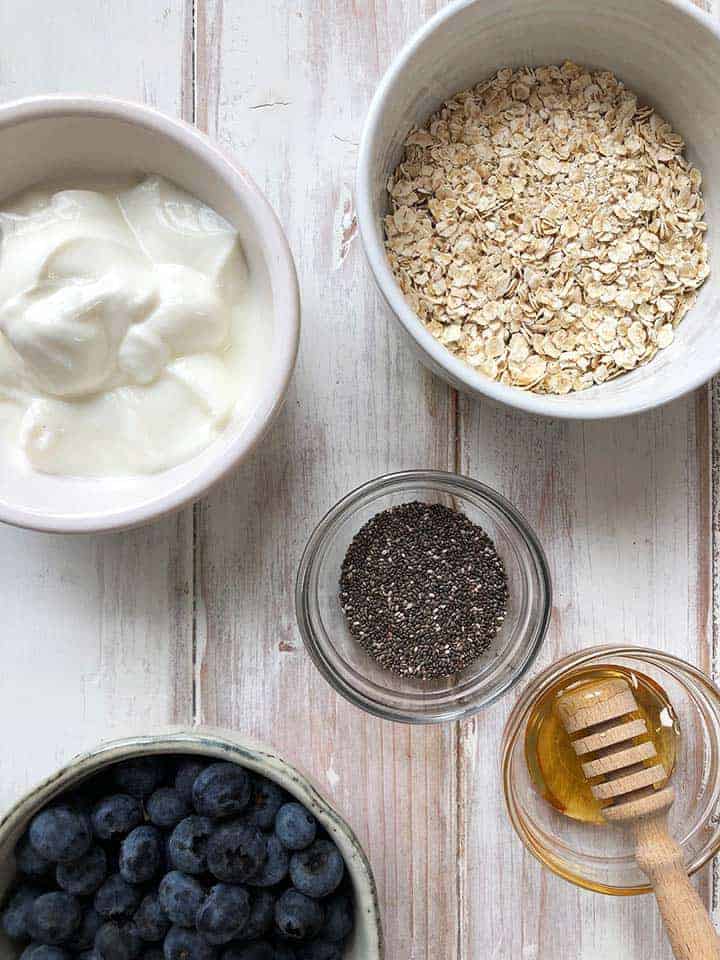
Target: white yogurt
{"points": [[128, 334]]}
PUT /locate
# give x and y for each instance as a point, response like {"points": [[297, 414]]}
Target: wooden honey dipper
{"points": [[602, 722]]}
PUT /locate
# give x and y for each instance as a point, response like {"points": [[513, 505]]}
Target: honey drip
{"points": [[551, 760]]}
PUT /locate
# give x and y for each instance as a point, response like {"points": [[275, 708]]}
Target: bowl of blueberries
{"points": [[188, 845]]}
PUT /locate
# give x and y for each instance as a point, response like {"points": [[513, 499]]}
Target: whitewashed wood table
{"points": [[191, 619]]}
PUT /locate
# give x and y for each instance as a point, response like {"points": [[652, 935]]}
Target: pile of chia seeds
{"points": [[423, 590]]}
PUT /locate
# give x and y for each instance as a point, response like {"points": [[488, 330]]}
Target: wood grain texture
{"points": [[193, 617], [96, 630], [286, 94]]}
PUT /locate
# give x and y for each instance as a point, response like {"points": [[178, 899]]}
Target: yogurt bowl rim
{"points": [[285, 308]]}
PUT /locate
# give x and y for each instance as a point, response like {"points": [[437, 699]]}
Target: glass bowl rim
{"points": [[514, 726], [396, 482]]}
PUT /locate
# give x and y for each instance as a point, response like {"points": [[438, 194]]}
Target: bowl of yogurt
{"points": [[149, 314]]}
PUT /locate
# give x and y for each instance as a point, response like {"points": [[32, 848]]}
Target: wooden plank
{"points": [[286, 93], [621, 510], [96, 630]]}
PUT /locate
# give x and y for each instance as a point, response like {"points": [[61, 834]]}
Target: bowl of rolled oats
{"points": [[537, 198]]}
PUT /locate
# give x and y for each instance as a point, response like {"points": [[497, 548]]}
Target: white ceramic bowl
{"points": [[53, 137], [367, 938], [667, 52]]}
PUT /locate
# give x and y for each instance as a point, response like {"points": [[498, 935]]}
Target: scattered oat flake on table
{"points": [[547, 229]]}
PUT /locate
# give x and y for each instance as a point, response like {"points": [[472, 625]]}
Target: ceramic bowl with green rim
{"points": [[366, 942]]}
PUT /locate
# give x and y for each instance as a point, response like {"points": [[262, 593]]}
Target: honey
{"points": [[554, 767]]}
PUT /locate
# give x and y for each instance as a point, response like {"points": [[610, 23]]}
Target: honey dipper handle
{"points": [[687, 922]]}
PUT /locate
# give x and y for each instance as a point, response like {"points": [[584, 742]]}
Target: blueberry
{"points": [[275, 867], [262, 915], [16, 915], [116, 815], [84, 936], [339, 918], [60, 833], [221, 790], [117, 941], [41, 951], [319, 950], [260, 950], [84, 875], [150, 921], [117, 899], [187, 945], [180, 898], [139, 776], [187, 848], [297, 917], [141, 854], [166, 807], [54, 918], [236, 851], [267, 798], [29, 861], [223, 914], [187, 774], [317, 871], [295, 826], [88, 954]]}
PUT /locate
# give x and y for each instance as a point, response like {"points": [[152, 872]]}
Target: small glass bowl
{"points": [[600, 857], [356, 675]]}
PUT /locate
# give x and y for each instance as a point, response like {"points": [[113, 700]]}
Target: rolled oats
{"points": [[547, 229]]}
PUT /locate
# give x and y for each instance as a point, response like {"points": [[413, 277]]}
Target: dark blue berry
{"points": [[267, 798], [260, 950], [54, 918], [141, 854], [297, 917], [275, 867], [187, 848], [339, 918], [116, 815], [84, 875], [221, 790], [262, 915], [60, 833], [180, 898], [16, 915], [150, 921], [236, 851], [139, 776], [223, 914], [183, 944], [117, 941], [29, 861], [41, 951], [319, 950], [166, 807], [187, 774], [117, 899], [317, 871], [295, 826], [84, 936]]}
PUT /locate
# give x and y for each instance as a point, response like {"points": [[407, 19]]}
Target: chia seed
{"points": [[423, 590]]}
